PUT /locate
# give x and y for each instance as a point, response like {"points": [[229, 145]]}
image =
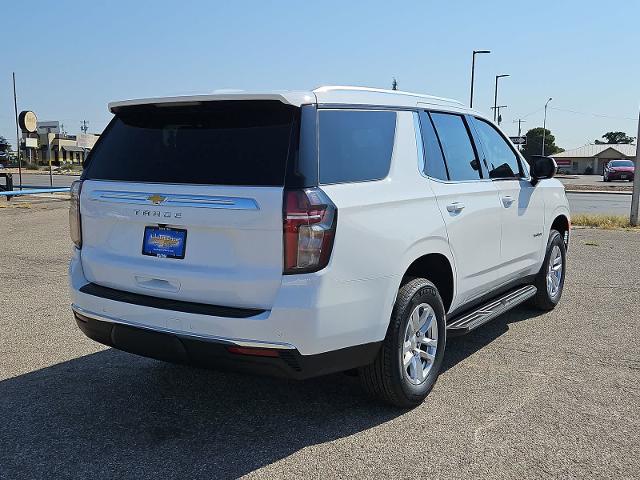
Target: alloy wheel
{"points": [[554, 272], [420, 344]]}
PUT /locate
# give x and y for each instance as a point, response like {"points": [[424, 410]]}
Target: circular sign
{"points": [[28, 121]]}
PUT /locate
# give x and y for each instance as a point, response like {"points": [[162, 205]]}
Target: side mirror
{"points": [[541, 168]]}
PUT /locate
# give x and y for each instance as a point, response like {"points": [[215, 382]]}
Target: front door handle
{"points": [[455, 207], [507, 201]]}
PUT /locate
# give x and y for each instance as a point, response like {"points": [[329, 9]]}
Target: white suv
{"points": [[304, 233]]}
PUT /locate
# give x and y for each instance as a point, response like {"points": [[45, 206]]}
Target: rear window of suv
{"points": [[355, 145], [215, 143]]}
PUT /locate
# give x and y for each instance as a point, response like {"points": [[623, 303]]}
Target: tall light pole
{"points": [[495, 98], [544, 125], [635, 198], [473, 72]]}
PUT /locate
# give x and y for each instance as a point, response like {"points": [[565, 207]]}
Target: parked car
{"points": [[305, 233], [619, 170]]}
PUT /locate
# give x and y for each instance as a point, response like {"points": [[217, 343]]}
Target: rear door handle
{"points": [[507, 201], [455, 207]]}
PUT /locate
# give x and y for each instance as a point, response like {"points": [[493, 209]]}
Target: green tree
{"points": [[5, 146], [534, 143], [615, 137]]}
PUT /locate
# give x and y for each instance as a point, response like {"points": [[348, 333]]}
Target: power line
{"points": [[601, 115], [531, 113]]}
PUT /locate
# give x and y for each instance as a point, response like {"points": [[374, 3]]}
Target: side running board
{"points": [[490, 310]]}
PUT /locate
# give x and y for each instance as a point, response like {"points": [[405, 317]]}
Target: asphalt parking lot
{"points": [[527, 396]]}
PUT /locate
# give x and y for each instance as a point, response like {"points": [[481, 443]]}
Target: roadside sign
{"points": [[562, 162], [518, 140], [28, 121], [86, 140]]}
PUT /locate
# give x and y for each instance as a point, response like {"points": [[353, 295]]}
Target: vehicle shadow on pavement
{"points": [[111, 414], [115, 415], [459, 348]]}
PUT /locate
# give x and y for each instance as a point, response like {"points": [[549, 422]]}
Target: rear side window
{"points": [[434, 162], [216, 143], [355, 146], [501, 159], [456, 144]]}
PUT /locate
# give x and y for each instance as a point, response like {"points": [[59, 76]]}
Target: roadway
{"points": [[600, 203], [596, 203], [40, 180]]}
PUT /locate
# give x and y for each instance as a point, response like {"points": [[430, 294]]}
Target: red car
{"points": [[619, 170]]}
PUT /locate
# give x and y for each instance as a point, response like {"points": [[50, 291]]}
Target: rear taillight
{"points": [[309, 228], [74, 214]]}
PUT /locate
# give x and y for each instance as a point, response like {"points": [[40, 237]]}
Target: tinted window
{"points": [[456, 144], [501, 159], [225, 143], [621, 163], [434, 162], [355, 146]]}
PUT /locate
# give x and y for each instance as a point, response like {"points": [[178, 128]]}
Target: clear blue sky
{"points": [[72, 57]]}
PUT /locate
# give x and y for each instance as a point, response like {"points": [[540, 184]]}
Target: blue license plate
{"points": [[164, 242]]}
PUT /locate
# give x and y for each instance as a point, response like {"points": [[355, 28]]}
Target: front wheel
{"points": [[409, 361], [550, 278]]}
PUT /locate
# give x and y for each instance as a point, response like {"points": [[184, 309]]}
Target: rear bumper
{"points": [[284, 360], [619, 175], [311, 314]]}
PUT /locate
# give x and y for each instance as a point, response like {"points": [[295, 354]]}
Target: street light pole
{"points": [[544, 125], [495, 98], [473, 70], [635, 198], [15, 105]]}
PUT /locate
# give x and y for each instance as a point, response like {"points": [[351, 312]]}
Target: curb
{"points": [[615, 192]]}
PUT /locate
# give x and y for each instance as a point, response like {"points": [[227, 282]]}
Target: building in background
{"points": [[51, 142], [591, 159]]}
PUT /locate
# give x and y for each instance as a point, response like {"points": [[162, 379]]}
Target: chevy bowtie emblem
{"points": [[156, 199]]}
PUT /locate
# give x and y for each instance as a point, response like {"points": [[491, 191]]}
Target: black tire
{"points": [[543, 300], [385, 378]]}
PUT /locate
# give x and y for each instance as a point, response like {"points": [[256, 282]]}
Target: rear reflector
{"points": [[256, 352], [75, 222]]}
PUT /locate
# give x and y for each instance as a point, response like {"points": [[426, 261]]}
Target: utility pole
{"points": [[635, 198], [497, 115], [15, 106], [84, 125], [520, 122]]}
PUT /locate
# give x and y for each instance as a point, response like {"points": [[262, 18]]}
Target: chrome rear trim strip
{"points": [[174, 200], [240, 342]]}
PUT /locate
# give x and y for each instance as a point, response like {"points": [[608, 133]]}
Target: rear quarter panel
{"points": [[383, 226]]}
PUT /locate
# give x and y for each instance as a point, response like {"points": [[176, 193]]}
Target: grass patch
{"points": [[607, 222]]}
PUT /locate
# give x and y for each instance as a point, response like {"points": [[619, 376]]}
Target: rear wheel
{"points": [[550, 278], [410, 358]]}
